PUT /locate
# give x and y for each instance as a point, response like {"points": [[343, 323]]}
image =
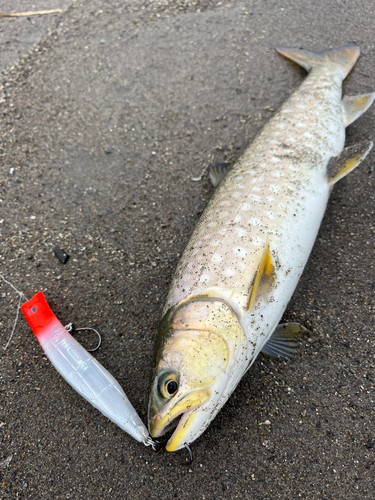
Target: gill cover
{"points": [[196, 351]]}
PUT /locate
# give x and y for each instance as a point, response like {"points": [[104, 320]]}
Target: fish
{"points": [[249, 248]]}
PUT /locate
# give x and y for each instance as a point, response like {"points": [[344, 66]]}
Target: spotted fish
{"points": [[249, 249]]}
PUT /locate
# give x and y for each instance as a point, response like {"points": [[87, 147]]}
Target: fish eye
{"points": [[168, 385], [172, 387]]}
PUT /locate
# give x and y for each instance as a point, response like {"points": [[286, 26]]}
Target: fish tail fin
{"points": [[343, 57]]}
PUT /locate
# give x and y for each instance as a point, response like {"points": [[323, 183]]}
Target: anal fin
{"points": [[350, 158], [265, 273], [284, 341], [217, 172], [354, 106]]}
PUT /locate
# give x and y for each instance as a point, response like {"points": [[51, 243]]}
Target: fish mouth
{"points": [[183, 411]]}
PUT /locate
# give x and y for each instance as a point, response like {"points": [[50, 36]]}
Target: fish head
{"points": [[189, 377]]}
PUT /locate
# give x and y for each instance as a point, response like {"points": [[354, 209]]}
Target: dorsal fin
{"points": [[265, 270]]}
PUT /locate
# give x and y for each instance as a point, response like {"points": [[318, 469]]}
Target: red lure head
{"points": [[37, 313]]}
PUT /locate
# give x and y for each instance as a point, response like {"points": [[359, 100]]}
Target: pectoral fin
{"points": [[284, 341], [354, 106], [263, 276], [217, 172], [349, 159]]}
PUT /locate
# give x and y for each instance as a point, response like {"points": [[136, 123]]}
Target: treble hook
{"points": [[190, 454], [69, 327], [160, 444]]}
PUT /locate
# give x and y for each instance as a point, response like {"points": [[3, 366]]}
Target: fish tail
{"points": [[343, 57]]}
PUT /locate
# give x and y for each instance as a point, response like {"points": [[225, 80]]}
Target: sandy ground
{"points": [[18, 35], [104, 123]]}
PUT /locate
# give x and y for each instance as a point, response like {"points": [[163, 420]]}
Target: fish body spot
{"points": [[254, 221], [225, 203], [277, 173], [229, 272], [258, 241], [241, 232], [239, 251], [223, 214], [274, 188], [216, 258], [245, 207], [254, 197], [204, 278], [215, 243]]}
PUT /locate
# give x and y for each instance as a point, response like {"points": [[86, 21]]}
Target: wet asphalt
{"points": [[104, 124]]}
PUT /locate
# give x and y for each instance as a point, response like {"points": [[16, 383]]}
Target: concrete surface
{"points": [[104, 124]]}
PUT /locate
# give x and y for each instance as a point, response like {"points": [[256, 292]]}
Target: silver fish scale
{"points": [[263, 193]]}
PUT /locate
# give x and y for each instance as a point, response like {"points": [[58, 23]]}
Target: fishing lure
{"points": [[81, 370]]}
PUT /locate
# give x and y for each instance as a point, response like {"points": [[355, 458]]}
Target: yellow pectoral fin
{"points": [[265, 270], [349, 159]]}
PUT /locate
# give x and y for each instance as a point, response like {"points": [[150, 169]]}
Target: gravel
{"points": [[104, 124]]}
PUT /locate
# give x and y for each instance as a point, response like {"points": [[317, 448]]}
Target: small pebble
{"points": [[61, 255]]}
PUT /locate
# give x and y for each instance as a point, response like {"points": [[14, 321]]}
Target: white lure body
{"points": [[81, 370]]}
